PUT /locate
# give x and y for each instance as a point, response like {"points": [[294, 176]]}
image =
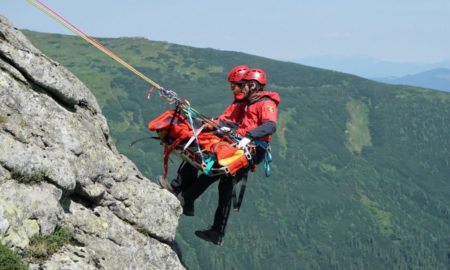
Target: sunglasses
{"points": [[240, 85]]}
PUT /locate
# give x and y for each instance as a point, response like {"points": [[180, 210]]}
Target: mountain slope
{"points": [[438, 78], [360, 171]]}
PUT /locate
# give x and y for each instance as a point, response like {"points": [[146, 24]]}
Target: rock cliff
{"points": [[59, 167]]}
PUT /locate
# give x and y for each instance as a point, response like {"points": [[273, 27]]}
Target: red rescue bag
{"points": [[171, 124]]}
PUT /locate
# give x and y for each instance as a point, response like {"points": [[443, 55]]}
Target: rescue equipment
{"points": [[212, 152]]}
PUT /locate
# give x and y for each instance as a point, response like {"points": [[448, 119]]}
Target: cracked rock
{"points": [[60, 168]]}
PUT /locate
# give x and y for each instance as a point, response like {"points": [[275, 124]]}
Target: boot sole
{"points": [[163, 183], [206, 238]]}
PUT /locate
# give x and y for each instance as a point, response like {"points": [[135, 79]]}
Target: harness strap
{"points": [[167, 150], [237, 203], [175, 112]]}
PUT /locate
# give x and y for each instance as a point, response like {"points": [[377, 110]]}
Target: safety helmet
{"points": [[237, 73], [256, 74]]}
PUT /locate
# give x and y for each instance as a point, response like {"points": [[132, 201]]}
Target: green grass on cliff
{"points": [[9, 260]]}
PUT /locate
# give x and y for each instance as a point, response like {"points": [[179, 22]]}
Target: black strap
{"points": [[175, 112], [237, 203], [143, 138], [258, 100]]}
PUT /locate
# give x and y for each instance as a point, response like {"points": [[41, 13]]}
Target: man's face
{"points": [[236, 88]]}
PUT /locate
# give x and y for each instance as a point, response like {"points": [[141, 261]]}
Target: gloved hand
{"points": [[209, 127], [225, 129], [209, 124], [243, 143], [198, 122]]}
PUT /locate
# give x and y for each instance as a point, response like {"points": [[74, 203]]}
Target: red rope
{"points": [[76, 28]]}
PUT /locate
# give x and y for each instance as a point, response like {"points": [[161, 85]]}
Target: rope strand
{"points": [[54, 15], [169, 95]]}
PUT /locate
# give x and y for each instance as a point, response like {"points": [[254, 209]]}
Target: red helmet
{"points": [[256, 74], [237, 73]]}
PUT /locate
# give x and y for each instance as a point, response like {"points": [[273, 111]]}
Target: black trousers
{"points": [[186, 176], [225, 190], [226, 186], [190, 183], [193, 185]]}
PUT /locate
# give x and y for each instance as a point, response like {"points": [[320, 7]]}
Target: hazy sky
{"points": [[392, 30]]}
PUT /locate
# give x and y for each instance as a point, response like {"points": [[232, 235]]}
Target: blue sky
{"points": [[390, 30]]}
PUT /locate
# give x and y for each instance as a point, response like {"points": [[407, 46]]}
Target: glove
{"points": [[198, 122], [225, 129], [209, 126], [243, 143]]}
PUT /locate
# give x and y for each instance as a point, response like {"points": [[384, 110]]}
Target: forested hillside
{"points": [[361, 169]]}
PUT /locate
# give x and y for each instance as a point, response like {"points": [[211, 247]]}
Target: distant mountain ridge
{"points": [[438, 78], [368, 67]]}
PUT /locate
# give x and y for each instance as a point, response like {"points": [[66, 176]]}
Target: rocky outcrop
{"points": [[52, 129]]}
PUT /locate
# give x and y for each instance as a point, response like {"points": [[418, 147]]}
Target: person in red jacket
{"points": [[257, 125], [230, 119], [261, 115]]}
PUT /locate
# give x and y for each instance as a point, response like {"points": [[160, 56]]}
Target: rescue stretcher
{"points": [[212, 152]]}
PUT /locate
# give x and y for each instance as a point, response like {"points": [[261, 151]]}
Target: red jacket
{"points": [[234, 112], [259, 112]]}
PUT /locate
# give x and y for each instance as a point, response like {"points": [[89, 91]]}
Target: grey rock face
{"points": [[53, 134]]}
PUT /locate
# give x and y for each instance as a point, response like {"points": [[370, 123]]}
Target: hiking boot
{"points": [[188, 208], [164, 183], [188, 211], [211, 235]]}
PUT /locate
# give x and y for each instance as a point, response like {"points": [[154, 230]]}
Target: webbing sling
{"points": [[237, 202], [169, 148]]}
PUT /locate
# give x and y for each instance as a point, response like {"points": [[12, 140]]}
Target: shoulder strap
{"points": [[258, 100], [167, 150]]}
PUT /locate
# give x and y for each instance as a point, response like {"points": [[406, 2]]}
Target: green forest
{"points": [[360, 178]]}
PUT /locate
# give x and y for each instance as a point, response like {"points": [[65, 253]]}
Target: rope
{"points": [[191, 122], [54, 15], [168, 95]]}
